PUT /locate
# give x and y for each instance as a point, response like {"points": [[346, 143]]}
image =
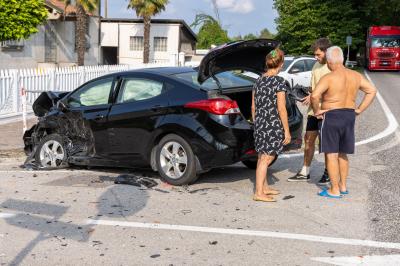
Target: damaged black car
{"points": [[180, 121]]}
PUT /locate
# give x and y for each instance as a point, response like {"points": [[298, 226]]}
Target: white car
{"points": [[297, 70]]}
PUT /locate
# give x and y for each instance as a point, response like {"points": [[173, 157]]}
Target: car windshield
{"points": [[229, 79], [286, 64], [386, 42]]}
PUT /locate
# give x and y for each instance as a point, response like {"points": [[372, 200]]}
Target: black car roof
{"points": [[164, 71]]}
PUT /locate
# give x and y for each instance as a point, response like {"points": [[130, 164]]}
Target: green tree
{"points": [[379, 12], [266, 34], [146, 9], [301, 22], [83, 7], [249, 36], [210, 32], [20, 19]]}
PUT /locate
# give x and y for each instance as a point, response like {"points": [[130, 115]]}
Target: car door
{"points": [[87, 110], [139, 106], [309, 66], [299, 74]]}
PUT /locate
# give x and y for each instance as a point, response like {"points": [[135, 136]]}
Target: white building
{"points": [[121, 41], [54, 44]]}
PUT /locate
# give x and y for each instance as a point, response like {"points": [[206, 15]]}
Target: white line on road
{"points": [[393, 124], [385, 260], [303, 237], [6, 215]]}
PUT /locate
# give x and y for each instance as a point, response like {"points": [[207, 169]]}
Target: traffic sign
{"points": [[348, 40]]}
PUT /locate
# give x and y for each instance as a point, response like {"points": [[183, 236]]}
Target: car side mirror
{"points": [[295, 70]]}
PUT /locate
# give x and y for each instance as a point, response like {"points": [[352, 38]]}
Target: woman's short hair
{"points": [[275, 58]]}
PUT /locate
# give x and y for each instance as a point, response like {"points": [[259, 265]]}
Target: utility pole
{"points": [[216, 11], [106, 8]]}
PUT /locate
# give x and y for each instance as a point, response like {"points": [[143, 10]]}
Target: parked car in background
{"points": [[297, 70], [180, 121]]}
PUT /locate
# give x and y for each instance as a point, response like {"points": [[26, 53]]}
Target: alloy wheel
{"points": [[51, 154], [173, 160]]}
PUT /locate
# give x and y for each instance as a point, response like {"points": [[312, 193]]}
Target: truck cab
{"points": [[383, 48]]}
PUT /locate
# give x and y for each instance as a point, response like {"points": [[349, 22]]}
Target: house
{"points": [[121, 41], [54, 44]]}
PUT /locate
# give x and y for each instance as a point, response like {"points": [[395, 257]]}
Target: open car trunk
{"points": [[243, 97]]}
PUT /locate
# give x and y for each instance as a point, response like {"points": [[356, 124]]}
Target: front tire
{"points": [[175, 160], [252, 164], [51, 153]]}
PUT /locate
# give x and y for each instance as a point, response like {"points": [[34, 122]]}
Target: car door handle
{"points": [[157, 107]]}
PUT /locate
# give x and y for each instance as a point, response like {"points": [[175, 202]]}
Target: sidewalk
{"points": [[11, 138]]}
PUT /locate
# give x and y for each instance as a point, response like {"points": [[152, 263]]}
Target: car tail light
{"points": [[373, 62], [250, 152], [216, 106]]}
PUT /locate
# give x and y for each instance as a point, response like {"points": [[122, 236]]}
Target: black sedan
{"points": [[180, 121]]}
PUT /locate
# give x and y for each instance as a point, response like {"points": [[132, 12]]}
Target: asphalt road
{"points": [[384, 193], [80, 217]]}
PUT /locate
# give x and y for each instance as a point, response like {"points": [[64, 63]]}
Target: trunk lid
{"points": [[240, 55]]}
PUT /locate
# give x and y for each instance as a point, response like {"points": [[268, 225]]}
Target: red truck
{"points": [[383, 48]]}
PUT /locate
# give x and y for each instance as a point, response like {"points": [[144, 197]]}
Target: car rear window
{"points": [[229, 79]]}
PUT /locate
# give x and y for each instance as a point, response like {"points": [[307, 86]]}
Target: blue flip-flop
{"points": [[344, 192], [325, 193]]}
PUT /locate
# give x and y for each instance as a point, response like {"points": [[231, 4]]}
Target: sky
{"points": [[239, 17]]}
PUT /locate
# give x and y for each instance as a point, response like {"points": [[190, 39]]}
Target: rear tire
{"points": [[175, 160], [51, 153], [252, 164]]}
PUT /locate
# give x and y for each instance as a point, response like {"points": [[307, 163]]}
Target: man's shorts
{"points": [[336, 134], [312, 123]]}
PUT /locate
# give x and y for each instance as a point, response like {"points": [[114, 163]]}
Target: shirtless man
{"points": [[337, 112]]}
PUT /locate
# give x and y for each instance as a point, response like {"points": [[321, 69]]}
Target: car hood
{"points": [[46, 101], [240, 55]]}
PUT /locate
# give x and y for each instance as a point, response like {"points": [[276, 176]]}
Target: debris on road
{"points": [[185, 211], [136, 181], [212, 242], [288, 197]]}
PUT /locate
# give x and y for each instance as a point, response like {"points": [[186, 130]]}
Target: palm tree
{"points": [[83, 7], [146, 9]]}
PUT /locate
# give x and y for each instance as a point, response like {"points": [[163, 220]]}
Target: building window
{"points": [[136, 43], [160, 44], [12, 45]]}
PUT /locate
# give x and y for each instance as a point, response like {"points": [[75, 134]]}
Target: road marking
{"points": [[390, 129], [6, 215], [303, 237], [385, 260]]}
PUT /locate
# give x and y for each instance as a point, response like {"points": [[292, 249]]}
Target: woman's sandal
{"points": [[273, 192], [269, 199]]}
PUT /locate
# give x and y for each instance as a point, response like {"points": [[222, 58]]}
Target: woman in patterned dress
{"points": [[271, 127]]}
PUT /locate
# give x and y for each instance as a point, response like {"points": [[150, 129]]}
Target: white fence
{"points": [[36, 81]]}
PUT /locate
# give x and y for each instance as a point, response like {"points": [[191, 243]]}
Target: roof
{"points": [[294, 57], [154, 21], [60, 7]]}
